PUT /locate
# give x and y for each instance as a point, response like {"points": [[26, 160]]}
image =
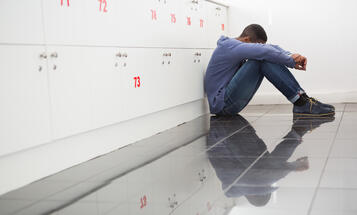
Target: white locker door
{"points": [[24, 109], [103, 22], [217, 23], [21, 22], [143, 81], [148, 23], [195, 27], [107, 102], [188, 69], [85, 89]]}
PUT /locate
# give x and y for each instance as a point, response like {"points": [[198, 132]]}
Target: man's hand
{"points": [[300, 61]]}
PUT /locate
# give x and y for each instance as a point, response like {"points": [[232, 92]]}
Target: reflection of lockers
{"points": [[70, 66], [182, 182]]}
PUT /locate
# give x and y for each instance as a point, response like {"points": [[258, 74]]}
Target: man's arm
{"points": [[280, 49], [300, 61], [258, 51]]}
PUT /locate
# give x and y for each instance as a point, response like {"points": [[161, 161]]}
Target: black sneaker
{"points": [[323, 104], [312, 109]]}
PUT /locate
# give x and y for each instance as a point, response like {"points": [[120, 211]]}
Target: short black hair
{"points": [[255, 32]]}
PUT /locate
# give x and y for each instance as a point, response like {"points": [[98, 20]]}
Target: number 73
{"points": [[137, 82]]}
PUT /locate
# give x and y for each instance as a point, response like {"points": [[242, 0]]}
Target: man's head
{"points": [[253, 33]]}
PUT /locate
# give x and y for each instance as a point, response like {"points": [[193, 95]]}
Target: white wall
{"points": [[324, 31]]}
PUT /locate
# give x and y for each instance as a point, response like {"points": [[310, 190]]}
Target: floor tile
{"points": [[344, 148], [335, 201], [282, 201], [340, 173]]}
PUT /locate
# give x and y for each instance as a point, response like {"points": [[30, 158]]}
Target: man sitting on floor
{"points": [[238, 66]]}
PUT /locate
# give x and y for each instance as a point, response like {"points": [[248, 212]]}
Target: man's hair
{"points": [[255, 32]]}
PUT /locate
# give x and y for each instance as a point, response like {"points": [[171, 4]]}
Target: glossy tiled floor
{"points": [[261, 162]]}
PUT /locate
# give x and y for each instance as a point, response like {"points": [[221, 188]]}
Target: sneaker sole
{"points": [[303, 115]]}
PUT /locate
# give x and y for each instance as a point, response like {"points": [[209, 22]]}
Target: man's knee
{"points": [[271, 64], [252, 64]]}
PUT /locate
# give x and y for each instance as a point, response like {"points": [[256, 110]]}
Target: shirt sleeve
{"points": [[282, 50], [258, 51]]}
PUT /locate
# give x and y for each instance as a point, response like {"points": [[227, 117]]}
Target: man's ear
{"points": [[246, 39]]}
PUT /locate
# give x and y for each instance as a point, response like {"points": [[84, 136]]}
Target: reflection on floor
{"points": [[260, 162]]}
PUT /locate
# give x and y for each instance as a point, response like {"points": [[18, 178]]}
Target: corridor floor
{"points": [[260, 162]]}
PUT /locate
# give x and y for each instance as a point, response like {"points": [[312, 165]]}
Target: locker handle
{"points": [[43, 56], [54, 55]]}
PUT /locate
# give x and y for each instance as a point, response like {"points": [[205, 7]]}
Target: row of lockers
{"points": [[53, 92], [129, 23]]}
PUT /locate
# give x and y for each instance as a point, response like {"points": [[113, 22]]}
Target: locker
{"points": [[143, 80], [188, 68], [195, 33], [27, 29], [24, 110], [85, 88], [112, 23], [153, 24], [217, 19]]}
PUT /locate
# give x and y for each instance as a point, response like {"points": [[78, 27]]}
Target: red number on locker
{"points": [[201, 23], [67, 3], [137, 82], [223, 27], [153, 15], [104, 3], [173, 18], [143, 202], [189, 21]]}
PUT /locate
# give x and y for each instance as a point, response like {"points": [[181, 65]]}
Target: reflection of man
{"points": [[236, 155]]}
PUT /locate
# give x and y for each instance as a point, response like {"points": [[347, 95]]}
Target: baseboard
{"points": [[335, 97], [22, 168]]}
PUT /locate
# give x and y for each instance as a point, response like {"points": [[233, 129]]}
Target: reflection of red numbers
{"points": [[201, 23], [104, 3], [67, 3], [173, 18], [153, 15], [137, 82], [222, 27], [143, 202], [209, 207], [188, 20]]}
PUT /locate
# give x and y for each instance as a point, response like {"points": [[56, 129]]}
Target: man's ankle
{"points": [[302, 100]]}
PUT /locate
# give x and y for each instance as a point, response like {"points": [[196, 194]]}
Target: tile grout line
{"points": [[324, 167]]}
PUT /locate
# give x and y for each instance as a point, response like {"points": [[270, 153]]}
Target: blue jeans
{"points": [[247, 80]]}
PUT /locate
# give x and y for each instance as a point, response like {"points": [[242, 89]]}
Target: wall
{"points": [[324, 31], [82, 78]]}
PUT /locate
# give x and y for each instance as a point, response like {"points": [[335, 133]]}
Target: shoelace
{"points": [[312, 101]]}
